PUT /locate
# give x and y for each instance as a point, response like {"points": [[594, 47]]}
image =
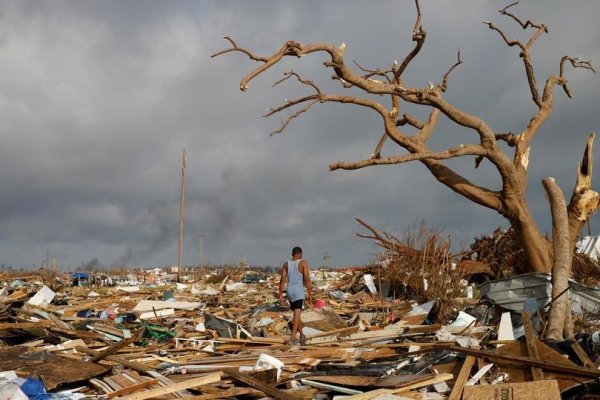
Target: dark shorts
{"points": [[297, 305]]}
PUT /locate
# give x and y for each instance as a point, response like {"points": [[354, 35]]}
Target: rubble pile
{"points": [[228, 339]]}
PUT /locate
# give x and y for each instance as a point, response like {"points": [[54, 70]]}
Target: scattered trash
{"points": [[228, 339]]}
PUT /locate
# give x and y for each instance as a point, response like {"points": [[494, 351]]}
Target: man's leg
{"points": [[296, 323]]}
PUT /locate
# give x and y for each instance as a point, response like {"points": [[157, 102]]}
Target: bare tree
{"points": [[413, 134]]}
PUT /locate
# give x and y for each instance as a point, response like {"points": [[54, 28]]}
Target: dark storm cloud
{"points": [[98, 98]]}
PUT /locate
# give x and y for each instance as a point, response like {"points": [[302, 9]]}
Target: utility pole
{"points": [[201, 236], [181, 215]]}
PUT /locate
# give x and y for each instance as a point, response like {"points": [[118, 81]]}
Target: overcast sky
{"points": [[98, 99]]}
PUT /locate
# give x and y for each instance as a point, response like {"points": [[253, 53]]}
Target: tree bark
{"points": [[563, 258], [535, 245]]}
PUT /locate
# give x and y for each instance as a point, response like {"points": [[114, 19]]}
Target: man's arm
{"points": [[306, 276], [282, 280]]}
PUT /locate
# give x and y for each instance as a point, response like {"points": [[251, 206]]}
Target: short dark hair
{"points": [[296, 250]]}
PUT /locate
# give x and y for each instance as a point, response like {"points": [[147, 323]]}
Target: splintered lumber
{"points": [[132, 389], [110, 350], [531, 339], [233, 392], [129, 364], [374, 393], [522, 373], [526, 361], [328, 386], [263, 387], [53, 370], [393, 381], [463, 376], [337, 332], [187, 384], [581, 354], [547, 390], [5, 326]]}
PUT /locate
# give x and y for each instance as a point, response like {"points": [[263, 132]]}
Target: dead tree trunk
{"points": [[563, 259]]}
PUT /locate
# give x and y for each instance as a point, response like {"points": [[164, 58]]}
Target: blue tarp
{"points": [[80, 275]]}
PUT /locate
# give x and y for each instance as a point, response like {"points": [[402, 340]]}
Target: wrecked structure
{"points": [[228, 339]]}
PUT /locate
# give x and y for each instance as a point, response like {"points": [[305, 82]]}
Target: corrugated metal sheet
{"points": [[511, 293]]}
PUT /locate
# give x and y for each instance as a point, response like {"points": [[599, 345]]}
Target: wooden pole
{"points": [[181, 215], [201, 236]]}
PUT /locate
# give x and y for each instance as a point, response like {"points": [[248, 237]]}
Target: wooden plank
{"points": [[233, 392], [436, 379], [574, 370], [582, 355], [463, 376], [129, 364], [374, 393], [271, 391], [5, 326], [187, 384], [505, 329], [165, 381], [132, 389], [337, 332], [110, 350], [532, 351]]}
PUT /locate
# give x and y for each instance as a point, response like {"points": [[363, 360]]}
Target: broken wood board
{"points": [[156, 305], [394, 381], [510, 359], [45, 365], [187, 384], [378, 392], [463, 376], [322, 319], [547, 390], [263, 387]]}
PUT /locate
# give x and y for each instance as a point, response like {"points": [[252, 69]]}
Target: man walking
{"points": [[296, 272]]}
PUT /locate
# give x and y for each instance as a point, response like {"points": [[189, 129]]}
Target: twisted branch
{"points": [[444, 84], [453, 152]]}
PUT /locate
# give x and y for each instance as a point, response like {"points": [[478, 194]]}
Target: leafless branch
{"points": [[312, 100], [296, 114], [426, 131], [418, 36], [507, 137], [462, 150], [307, 82], [377, 152], [576, 63], [444, 84], [369, 73], [525, 24], [384, 239], [526, 61], [289, 104], [409, 119], [235, 47]]}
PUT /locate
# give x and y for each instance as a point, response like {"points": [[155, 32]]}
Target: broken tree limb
{"points": [[563, 259], [584, 201]]}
